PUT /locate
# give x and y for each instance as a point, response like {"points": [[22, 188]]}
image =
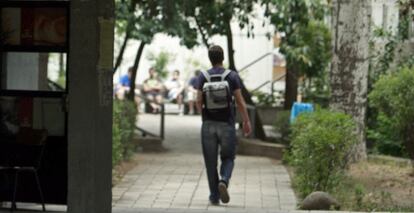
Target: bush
{"points": [[321, 143], [124, 119], [392, 96], [383, 136], [282, 125], [264, 99]]}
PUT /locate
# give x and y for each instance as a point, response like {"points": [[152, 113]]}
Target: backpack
{"points": [[216, 94]]}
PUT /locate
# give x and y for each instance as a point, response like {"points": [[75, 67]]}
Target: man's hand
{"points": [[247, 128]]}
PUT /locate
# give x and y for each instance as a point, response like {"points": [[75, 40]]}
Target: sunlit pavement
{"points": [[175, 180]]}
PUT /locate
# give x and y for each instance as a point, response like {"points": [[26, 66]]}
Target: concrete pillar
{"points": [[90, 106]]}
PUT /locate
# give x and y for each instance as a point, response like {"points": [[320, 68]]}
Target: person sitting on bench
{"points": [[153, 89], [175, 88]]}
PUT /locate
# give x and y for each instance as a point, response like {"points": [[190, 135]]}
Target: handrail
{"points": [[255, 61], [273, 82]]}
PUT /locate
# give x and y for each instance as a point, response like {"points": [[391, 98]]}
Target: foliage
{"points": [[386, 57], [213, 17], [282, 125], [393, 96], [316, 46], [160, 62], [143, 19], [320, 147], [382, 61], [381, 130], [385, 137], [123, 126], [307, 38], [263, 99], [306, 44]]}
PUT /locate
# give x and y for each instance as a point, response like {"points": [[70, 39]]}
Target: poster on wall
{"points": [[35, 26]]}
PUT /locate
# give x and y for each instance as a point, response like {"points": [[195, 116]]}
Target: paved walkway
{"points": [[175, 181]]}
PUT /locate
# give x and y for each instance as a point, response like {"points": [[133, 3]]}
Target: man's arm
{"points": [[241, 106], [199, 101]]}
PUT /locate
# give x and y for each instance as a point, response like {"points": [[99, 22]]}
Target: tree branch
{"points": [[131, 93], [203, 35]]}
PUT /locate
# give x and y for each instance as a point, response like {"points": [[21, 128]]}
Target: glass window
{"points": [[33, 71]]}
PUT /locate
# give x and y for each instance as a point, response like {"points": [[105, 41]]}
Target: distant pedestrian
{"points": [[218, 89]]}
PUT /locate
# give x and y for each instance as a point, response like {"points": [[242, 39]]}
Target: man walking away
{"points": [[218, 89]]}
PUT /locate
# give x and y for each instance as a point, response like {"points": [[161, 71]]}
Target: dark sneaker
{"points": [[215, 202], [224, 194]]}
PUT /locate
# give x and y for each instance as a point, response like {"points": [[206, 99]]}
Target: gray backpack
{"points": [[216, 93]]}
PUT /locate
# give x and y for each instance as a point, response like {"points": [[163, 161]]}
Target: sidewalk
{"points": [[175, 181]]}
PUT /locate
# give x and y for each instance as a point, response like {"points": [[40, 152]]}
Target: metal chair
{"points": [[31, 143]]}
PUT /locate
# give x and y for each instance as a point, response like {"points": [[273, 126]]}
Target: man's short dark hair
{"points": [[215, 54]]}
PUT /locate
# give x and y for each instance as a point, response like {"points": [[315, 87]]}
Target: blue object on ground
{"points": [[299, 108]]}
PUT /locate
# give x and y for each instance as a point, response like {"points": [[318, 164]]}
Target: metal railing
{"points": [[272, 87]]}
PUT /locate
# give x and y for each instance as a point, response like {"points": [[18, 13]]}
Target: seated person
{"points": [[123, 87], [192, 92], [153, 89], [175, 89]]}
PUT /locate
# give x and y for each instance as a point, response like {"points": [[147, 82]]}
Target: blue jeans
{"points": [[214, 135]]}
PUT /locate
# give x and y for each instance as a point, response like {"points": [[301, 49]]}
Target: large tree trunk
{"points": [[291, 86], [121, 52], [349, 71], [259, 131], [131, 93]]}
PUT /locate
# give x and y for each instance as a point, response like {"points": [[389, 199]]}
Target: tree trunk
{"points": [[121, 52], [129, 29], [131, 93], [291, 86], [230, 47], [349, 70], [259, 131], [61, 64]]}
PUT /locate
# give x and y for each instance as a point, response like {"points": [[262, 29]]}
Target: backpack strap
{"points": [[206, 75], [225, 74]]}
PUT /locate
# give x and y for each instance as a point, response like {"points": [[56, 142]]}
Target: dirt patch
{"points": [[385, 181], [374, 186], [121, 169]]}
